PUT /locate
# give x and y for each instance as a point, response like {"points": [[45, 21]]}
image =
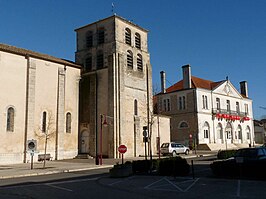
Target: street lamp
{"points": [[103, 123]]}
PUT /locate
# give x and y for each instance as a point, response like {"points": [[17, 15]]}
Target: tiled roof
{"points": [[24, 52], [196, 83]]}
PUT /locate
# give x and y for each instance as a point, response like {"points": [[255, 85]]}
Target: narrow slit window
{"points": [[10, 119], [68, 122]]}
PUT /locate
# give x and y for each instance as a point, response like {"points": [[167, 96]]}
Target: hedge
{"points": [[225, 154]]}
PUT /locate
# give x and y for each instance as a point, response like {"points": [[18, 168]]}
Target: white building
{"points": [[39, 94], [213, 114]]}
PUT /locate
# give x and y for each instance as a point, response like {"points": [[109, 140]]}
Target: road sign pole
{"points": [[122, 158], [31, 160]]}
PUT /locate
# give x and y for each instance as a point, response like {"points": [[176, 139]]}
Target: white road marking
{"points": [[153, 183], [191, 185], [57, 187], [174, 185], [238, 189]]}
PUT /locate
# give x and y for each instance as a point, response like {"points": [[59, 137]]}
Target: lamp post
{"points": [[103, 122]]}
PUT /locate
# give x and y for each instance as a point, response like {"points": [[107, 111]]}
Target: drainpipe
{"points": [[26, 110]]}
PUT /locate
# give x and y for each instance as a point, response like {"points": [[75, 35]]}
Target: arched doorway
{"points": [[228, 133], [219, 131], [84, 141], [239, 134]]}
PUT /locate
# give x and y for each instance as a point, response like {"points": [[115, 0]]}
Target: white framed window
{"points": [[166, 103], [237, 108], [204, 102], [206, 130], [228, 106], [182, 103], [246, 109], [218, 104]]}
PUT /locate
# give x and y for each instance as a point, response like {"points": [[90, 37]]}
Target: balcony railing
{"points": [[230, 112]]}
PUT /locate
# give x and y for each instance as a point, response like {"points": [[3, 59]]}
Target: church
{"points": [[90, 106]]}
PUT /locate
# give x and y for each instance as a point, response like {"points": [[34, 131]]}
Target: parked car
{"points": [[172, 148], [250, 162]]}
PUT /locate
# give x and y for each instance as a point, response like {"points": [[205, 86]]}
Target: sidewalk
{"points": [[70, 165]]}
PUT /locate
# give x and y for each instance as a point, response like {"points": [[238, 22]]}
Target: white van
{"points": [[174, 149]]}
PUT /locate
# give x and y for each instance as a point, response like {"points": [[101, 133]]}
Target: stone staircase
{"points": [[217, 147], [83, 156]]}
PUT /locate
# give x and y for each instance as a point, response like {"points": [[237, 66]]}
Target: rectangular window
{"points": [[167, 104], [100, 36], [180, 103], [228, 105], [246, 109], [204, 102], [206, 133], [184, 102], [237, 108], [89, 40], [218, 104]]}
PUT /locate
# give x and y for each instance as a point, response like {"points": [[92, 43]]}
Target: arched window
{"points": [[139, 62], [183, 125], [101, 36], [135, 107], [88, 64], [137, 41], [89, 39], [219, 130], [68, 122], [128, 36], [206, 130], [239, 132], [44, 121], [129, 59], [100, 59], [10, 119]]}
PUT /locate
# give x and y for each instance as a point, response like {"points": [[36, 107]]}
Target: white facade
{"points": [[33, 85], [214, 128], [213, 115]]}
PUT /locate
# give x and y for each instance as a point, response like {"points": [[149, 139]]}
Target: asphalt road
{"points": [[97, 184]]}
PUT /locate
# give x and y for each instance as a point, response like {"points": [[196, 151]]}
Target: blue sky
{"points": [[218, 38]]}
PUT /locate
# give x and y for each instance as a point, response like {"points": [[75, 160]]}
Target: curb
{"points": [[54, 172]]}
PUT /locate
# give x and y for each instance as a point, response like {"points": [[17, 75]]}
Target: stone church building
{"points": [[90, 107], [39, 96], [116, 89]]}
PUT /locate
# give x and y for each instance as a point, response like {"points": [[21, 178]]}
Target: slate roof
{"points": [[25, 52]]}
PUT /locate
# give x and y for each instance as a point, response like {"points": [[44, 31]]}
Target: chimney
{"points": [[186, 76], [244, 88], [163, 90]]}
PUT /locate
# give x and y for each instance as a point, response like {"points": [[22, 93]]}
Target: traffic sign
{"points": [[122, 149], [32, 145]]}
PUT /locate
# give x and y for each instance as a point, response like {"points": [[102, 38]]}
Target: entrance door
{"points": [[85, 142]]}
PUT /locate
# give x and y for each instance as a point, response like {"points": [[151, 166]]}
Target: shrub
{"points": [[176, 166], [141, 166], [225, 154]]}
